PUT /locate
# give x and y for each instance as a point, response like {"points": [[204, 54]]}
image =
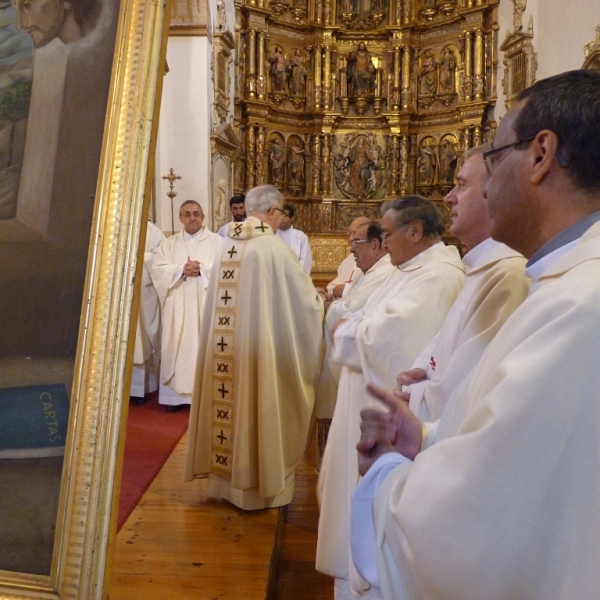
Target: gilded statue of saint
{"points": [[360, 72]]}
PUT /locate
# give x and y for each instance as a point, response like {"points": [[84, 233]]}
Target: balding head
{"points": [[355, 225]]}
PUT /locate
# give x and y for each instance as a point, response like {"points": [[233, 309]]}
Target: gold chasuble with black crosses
{"points": [[223, 339], [259, 360]]}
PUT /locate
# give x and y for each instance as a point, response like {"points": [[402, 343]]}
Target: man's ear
{"points": [[415, 229], [543, 151]]}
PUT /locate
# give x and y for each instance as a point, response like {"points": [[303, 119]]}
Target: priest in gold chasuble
{"points": [[260, 355]]}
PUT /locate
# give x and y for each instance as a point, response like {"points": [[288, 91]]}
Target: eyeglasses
{"points": [[281, 211], [187, 215], [488, 157], [357, 242]]}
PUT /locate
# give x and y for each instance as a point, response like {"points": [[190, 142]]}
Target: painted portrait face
{"points": [[41, 19]]}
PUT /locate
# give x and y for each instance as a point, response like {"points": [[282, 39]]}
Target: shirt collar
{"points": [[473, 256], [192, 236], [566, 236]]}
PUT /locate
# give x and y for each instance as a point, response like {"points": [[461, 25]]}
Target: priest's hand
{"points": [[408, 378], [338, 290], [377, 432], [191, 268], [408, 428]]}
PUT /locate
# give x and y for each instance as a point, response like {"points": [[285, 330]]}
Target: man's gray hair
{"points": [[262, 198], [190, 202]]}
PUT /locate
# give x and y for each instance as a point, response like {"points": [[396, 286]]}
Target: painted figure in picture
{"points": [[45, 20]]}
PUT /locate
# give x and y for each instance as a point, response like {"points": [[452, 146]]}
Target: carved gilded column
{"points": [[478, 86], [327, 78], [250, 157], [318, 77], [261, 159], [393, 182], [468, 66], [262, 75], [396, 85], [404, 165], [406, 62], [316, 171], [465, 138], [251, 81], [326, 165], [477, 136], [261, 3], [494, 58]]}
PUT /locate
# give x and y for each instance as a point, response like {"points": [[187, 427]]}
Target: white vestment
{"points": [[298, 241], [182, 300], [146, 352], [359, 291], [505, 504], [260, 352], [374, 345], [494, 287], [347, 273]]}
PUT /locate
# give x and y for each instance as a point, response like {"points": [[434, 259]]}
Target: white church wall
{"points": [[560, 30], [184, 129]]}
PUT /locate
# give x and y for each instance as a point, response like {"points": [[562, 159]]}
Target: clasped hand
{"points": [[397, 430], [191, 268]]}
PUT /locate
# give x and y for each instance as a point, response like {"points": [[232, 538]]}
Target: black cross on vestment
{"points": [[223, 390], [222, 343], [238, 230], [221, 437], [262, 227], [226, 297], [232, 252]]}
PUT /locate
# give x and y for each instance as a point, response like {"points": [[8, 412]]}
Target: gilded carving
{"points": [[362, 99], [358, 166]]}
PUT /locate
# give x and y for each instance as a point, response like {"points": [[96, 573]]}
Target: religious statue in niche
{"points": [[296, 164], [518, 10], [297, 74], [447, 159], [278, 69], [358, 168], [221, 16], [349, 7], [428, 74], [426, 162], [447, 70], [277, 161], [360, 72]]}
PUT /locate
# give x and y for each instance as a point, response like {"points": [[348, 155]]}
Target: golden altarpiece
{"points": [[344, 104]]}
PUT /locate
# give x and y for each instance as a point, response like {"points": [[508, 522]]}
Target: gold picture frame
{"points": [[88, 505]]}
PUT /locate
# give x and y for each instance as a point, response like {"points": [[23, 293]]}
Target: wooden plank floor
{"points": [[177, 544]]}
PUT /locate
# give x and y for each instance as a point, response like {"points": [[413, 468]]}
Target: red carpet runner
{"points": [[152, 434]]}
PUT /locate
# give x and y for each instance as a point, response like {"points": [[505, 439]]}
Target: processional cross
{"points": [[171, 178]]}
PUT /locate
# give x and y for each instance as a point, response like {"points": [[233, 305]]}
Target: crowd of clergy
{"points": [[456, 399]]}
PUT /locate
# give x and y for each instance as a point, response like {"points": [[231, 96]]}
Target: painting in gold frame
{"points": [[106, 250]]}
